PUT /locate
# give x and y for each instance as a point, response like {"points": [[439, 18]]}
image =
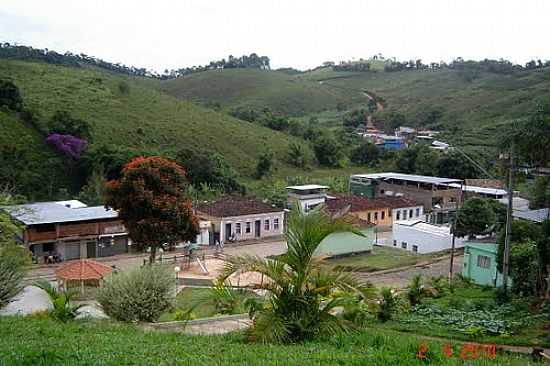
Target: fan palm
{"points": [[62, 310], [302, 294]]}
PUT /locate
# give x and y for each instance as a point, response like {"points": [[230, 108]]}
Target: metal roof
{"points": [[307, 187], [532, 215], [57, 212], [409, 177], [481, 190], [419, 225]]}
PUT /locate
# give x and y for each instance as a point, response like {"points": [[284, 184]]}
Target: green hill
{"points": [[471, 104], [283, 93], [136, 116]]}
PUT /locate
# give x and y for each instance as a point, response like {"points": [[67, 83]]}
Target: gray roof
{"points": [[409, 177], [532, 215], [57, 212]]}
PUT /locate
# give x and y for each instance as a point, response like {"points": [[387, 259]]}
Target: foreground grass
{"points": [[29, 341], [379, 259]]}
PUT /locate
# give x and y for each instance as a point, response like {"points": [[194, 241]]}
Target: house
{"points": [[342, 244], [435, 194], [480, 263], [378, 211], [420, 237], [536, 216], [307, 196], [240, 218], [65, 230]]}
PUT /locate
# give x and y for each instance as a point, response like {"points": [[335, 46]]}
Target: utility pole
{"points": [[451, 270], [506, 259]]}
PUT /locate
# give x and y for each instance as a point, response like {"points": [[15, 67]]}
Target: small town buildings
{"points": [[238, 218], [480, 263], [536, 216], [307, 196], [420, 237], [435, 194], [64, 230]]}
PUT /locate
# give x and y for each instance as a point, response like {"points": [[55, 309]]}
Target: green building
{"points": [[346, 243], [362, 186], [480, 263]]}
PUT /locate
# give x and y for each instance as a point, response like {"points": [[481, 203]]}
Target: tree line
{"points": [[20, 52]]}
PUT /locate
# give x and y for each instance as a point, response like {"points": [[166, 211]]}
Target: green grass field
{"points": [[381, 258], [285, 94], [27, 341]]}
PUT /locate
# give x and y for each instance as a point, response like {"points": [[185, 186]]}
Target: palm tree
{"points": [[302, 294], [62, 310]]}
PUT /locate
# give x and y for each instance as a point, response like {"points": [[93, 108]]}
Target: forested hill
{"points": [[126, 117]]}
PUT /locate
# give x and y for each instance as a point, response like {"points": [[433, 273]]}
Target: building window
{"points": [[238, 228], [368, 217], [417, 212], [410, 213], [483, 261], [276, 224], [247, 228], [382, 215], [266, 225], [404, 244], [398, 215], [376, 216], [395, 243], [415, 248], [404, 214]]}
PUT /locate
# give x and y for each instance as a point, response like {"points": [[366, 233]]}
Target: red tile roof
{"points": [[359, 203], [83, 270], [235, 206]]}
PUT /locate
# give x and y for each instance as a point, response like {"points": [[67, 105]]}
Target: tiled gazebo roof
{"points": [[83, 270]]}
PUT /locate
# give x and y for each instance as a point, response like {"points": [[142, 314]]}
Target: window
{"points": [[247, 228], [368, 217], [404, 214], [417, 212], [276, 224], [381, 191], [395, 243], [238, 228], [398, 215], [404, 245], [410, 213], [415, 248], [376, 216], [47, 247], [382, 215], [266, 225], [483, 261]]}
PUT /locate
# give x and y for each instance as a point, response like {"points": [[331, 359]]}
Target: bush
{"points": [[62, 310], [139, 295], [387, 304], [11, 277], [9, 96]]}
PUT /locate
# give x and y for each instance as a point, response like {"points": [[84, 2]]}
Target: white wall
{"points": [[427, 242], [404, 213], [252, 219]]}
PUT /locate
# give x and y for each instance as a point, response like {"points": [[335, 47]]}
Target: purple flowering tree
{"points": [[67, 144]]}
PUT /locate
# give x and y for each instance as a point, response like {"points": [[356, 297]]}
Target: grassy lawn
{"points": [[472, 314], [32, 341], [381, 258]]}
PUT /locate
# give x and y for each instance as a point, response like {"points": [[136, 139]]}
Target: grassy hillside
{"points": [[281, 92], [28, 341], [140, 118], [475, 104]]}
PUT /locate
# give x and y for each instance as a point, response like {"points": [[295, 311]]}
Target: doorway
{"points": [[227, 232], [258, 227]]}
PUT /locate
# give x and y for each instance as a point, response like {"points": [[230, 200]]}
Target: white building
{"points": [[420, 237], [307, 196]]}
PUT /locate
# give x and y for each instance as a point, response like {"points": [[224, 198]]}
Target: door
{"points": [[72, 251], [91, 249], [227, 232], [258, 227]]}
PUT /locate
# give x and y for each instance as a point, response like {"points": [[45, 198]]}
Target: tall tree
{"points": [[151, 201], [475, 217]]}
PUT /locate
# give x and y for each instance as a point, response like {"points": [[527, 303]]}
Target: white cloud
{"points": [[165, 34]]}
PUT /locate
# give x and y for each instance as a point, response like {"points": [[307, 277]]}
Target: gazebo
{"points": [[82, 273]]}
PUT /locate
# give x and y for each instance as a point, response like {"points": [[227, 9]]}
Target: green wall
{"points": [[480, 275], [346, 243]]}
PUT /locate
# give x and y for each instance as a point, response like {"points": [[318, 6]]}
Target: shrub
{"points": [[11, 277], [62, 310], [416, 290], [124, 88], [139, 295], [67, 144], [9, 96], [387, 304]]}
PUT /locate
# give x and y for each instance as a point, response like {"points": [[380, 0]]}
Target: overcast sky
{"points": [[302, 34]]}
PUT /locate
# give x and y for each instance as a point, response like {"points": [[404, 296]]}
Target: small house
{"points": [[307, 196], [420, 237], [480, 263], [238, 218]]}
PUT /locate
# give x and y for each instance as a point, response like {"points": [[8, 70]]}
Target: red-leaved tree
{"points": [[150, 199]]}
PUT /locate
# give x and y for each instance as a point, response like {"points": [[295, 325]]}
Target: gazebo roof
{"points": [[83, 270]]}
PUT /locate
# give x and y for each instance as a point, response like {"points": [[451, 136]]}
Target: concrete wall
{"points": [[480, 275], [402, 214], [346, 243], [218, 225], [422, 195], [375, 216], [426, 242]]}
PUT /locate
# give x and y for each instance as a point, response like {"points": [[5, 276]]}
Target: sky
{"points": [[164, 34]]}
